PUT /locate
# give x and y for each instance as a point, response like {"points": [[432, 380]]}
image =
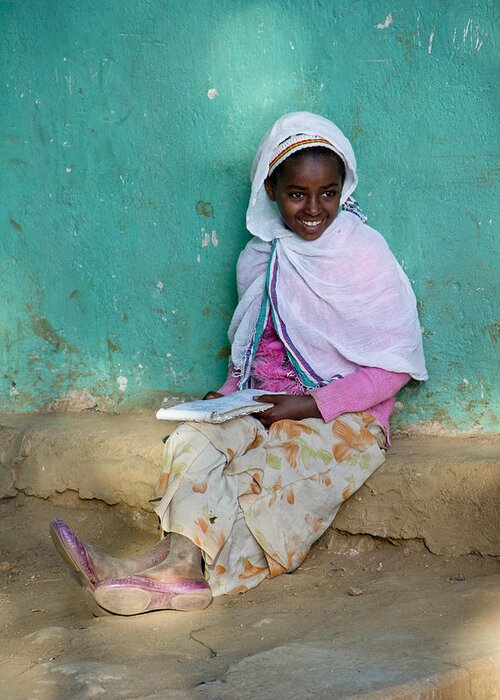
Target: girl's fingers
{"points": [[212, 395], [267, 398]]}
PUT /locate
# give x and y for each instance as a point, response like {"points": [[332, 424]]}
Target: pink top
{"points": [[367, 389]]}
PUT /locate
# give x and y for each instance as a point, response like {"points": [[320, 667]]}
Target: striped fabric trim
{"points": [[306, 373], [254, 344], [296, 146]]}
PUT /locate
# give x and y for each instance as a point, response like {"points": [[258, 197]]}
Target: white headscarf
{"points": [[337, 302]]}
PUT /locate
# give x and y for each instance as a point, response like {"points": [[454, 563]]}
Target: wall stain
{"points": [[204, 208], [15, 225], [494, 331], [224, 353], [357, 128], [44, 330], [74, 294], [112, 346], [407, 40], [476, 222], [125, 317], [207, 311]]}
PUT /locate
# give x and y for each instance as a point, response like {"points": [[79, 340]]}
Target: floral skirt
{"points": [[254, 500]]}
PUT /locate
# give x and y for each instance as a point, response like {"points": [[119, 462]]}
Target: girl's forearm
{"points": [[359, 391]]}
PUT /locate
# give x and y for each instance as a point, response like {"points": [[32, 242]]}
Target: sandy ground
{"points": [[350, 593]]}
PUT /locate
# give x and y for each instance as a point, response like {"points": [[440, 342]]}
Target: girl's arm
{"points": [[364, 388]]}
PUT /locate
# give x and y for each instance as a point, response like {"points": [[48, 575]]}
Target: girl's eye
{"points": [[296, 195], [329, 194]]}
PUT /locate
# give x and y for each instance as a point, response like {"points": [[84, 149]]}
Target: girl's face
{"points": [[307, 191]]}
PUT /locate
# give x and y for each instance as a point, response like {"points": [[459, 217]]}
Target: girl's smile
{"points": [[307, 191]]}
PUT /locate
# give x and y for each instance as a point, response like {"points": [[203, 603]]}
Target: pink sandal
{"points": [[138, 594]]}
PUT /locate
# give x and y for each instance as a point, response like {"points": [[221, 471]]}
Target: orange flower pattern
{"points": [[255, 501]]}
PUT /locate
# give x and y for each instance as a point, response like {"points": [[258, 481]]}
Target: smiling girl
{"points": [[327, 318]]}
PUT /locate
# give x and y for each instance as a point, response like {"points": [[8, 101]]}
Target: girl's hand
{"points": [[285, 407], [212, 395]]}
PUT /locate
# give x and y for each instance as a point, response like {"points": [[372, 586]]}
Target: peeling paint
{"points": [[386, 23], [205, 238], [17, 227], [122, 383], [431, 40], [212, 93]]}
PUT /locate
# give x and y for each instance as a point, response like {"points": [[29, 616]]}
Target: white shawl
{"points": [[337, 302]]}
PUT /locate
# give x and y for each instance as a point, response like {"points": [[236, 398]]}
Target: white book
{"points": [[239, 403]]}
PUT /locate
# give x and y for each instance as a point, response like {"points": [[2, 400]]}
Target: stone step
{"points": [[442, 490]]}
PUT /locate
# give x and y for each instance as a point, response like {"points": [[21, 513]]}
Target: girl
{"points": [[327, 318]]}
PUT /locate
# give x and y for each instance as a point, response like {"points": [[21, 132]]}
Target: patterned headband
{"points": [[293, 144]]}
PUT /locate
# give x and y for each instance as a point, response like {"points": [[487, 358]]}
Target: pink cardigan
{"points": [[367, 389]]}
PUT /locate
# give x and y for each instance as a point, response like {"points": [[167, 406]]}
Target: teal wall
{"points": [[127, 130]]}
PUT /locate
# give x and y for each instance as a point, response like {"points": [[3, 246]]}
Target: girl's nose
{"points": [[312, 205]]}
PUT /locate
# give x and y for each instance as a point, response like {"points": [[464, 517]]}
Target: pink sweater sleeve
{"points": [[363, 389], [231, 383]]}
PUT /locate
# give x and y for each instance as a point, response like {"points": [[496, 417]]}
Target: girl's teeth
{"points": [[311, 224]]}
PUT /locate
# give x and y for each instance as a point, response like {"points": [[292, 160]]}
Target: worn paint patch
{"points": [[17, 227], [73, 402], [74, 294], [43, 329], [204, 208]]}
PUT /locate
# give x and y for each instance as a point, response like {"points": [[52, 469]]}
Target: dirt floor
{"points": [[354, 597]]}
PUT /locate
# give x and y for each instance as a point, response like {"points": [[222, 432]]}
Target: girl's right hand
{"points": [[212, 395]]}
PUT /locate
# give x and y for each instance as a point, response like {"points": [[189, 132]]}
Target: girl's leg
{"points": [[177, 583]]}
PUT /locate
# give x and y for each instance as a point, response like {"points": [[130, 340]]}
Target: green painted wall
{"points": [[127, 130]]}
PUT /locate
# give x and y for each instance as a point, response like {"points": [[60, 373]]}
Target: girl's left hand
{"points": [[286, 406]]}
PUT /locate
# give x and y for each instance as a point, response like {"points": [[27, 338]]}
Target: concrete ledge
{"points": [[444, 491]]}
